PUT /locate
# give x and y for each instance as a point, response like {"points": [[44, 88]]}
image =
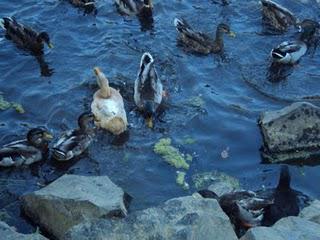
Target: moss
{"points": [[180, 180], [170, 154], [4, 105], [203, 180]]}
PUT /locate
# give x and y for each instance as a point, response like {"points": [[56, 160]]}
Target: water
{"points": [[235, 91]]}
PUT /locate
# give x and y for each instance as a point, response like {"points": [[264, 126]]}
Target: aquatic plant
{"points": [[180, 180], [205, 179], [4, 105]]}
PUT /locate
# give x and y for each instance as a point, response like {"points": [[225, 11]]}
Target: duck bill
{"points": [[149, 122], [48, 136], [50, 45], [232, 34]]}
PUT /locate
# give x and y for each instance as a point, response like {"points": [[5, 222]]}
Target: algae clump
{"points": [[180, 180], [4, 105], [171, 154]]}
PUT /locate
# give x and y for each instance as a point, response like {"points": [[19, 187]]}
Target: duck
{"points": [[244, 208], [276, 17], [286, 202], [87, 5], [25, 37], [142, 8], [26, 151], [148, 89], [199, 42], [74, 142], [108, 107]]}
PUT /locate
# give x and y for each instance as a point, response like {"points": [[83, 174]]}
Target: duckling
{"points": [[107, 106], [285, 200], [199, 42], [277, 18], [143, 8], [75, 142], [25, 37], [87, 5], [148, 89], [27, 151]]}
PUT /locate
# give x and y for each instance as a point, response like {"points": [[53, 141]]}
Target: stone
{"points": [[292, 134], [9, 233], [72, 199], [312, 212], [190, 217], [286, 228]]}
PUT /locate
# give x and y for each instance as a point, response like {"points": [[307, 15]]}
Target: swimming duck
{"points": [[25, 37], [276, 17], [87, 5], [27, 151], [285, 200], [76, 141], [199, 42], [244, 208], [148, 89], [143, 8], [107, 106]]}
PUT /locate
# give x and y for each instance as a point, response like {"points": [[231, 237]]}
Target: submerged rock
{"points": [[312, 212], [291, 134], [191, 217], [9, 233], [72, 199], [287, 228]]}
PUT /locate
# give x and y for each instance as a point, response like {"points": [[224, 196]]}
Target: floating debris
{"points": [[180, 180], [225, 153], [4, 105], [171, 154]]}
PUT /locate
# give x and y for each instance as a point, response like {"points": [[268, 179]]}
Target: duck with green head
{"points": [[143, 8]]}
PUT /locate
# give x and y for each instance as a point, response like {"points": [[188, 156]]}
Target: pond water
{"points": [[214, 101]]}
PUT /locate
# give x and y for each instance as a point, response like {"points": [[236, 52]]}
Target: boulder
{"points": [[286, 228], [312, 212], [9, 233], [72, 199], [292, 134], [191, 217]]}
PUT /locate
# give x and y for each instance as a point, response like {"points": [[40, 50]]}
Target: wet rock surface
{"points": [[72, 199], [191, 217], [312, 212], [9, 233], [291, 134], [287, 228]]}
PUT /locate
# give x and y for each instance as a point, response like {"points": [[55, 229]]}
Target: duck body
{"points": [[108, 107], [26, 151], [135, 7], [277, 17], [289, 52], [87, 5], [25, 37], [75, 142], [199, 42]]}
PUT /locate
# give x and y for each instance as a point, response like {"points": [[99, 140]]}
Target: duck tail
{"points": [[277, 54], [285, 178], [4, 22], [102, 82]]}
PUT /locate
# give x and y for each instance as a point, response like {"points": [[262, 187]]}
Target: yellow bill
{"points": [[47, 136], [232, 34], [50, 45], [149, 122]]}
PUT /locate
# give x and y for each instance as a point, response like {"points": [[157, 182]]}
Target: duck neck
{"points": [[219, 36], [105, 90]]}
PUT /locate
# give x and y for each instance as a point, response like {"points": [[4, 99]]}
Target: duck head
{"points": [[44, 37], [84, 120], [224, 28], [308, 28], [146, 11], [90, 7], [39, 137]]}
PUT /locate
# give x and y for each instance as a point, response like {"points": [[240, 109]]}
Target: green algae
{"points": [[187, 140], [4, 105], [171, 154], [205, 179], [196, 102], [180, 180]]}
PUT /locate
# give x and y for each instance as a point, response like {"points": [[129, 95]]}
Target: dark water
{"points": [[235, 91]]}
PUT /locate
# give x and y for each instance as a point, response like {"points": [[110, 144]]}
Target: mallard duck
{"points": [[75, 142], [289, 52], [148, 88], [27, 151], [25, 37], [108, 107], [276, 17], [285, 200], [135, 7], [87, 5], [199, 42]]}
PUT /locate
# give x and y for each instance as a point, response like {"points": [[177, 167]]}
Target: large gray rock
{"points": [[191, 217], [291, 134], [294, 228], [9, 233], [72, 199], [312, 212]]}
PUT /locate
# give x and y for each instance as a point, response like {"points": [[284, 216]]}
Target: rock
{"points": [[286, 228], [9, 233], [72, 199], [191, 217], [291, 134], [312, 212]]}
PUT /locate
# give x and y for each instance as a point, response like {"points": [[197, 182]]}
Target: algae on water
{"points": [[171, 154], [4, 105], [180, 180], [205, 179]]}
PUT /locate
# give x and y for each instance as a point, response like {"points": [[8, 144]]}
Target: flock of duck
{"points": [[107, 108]]}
